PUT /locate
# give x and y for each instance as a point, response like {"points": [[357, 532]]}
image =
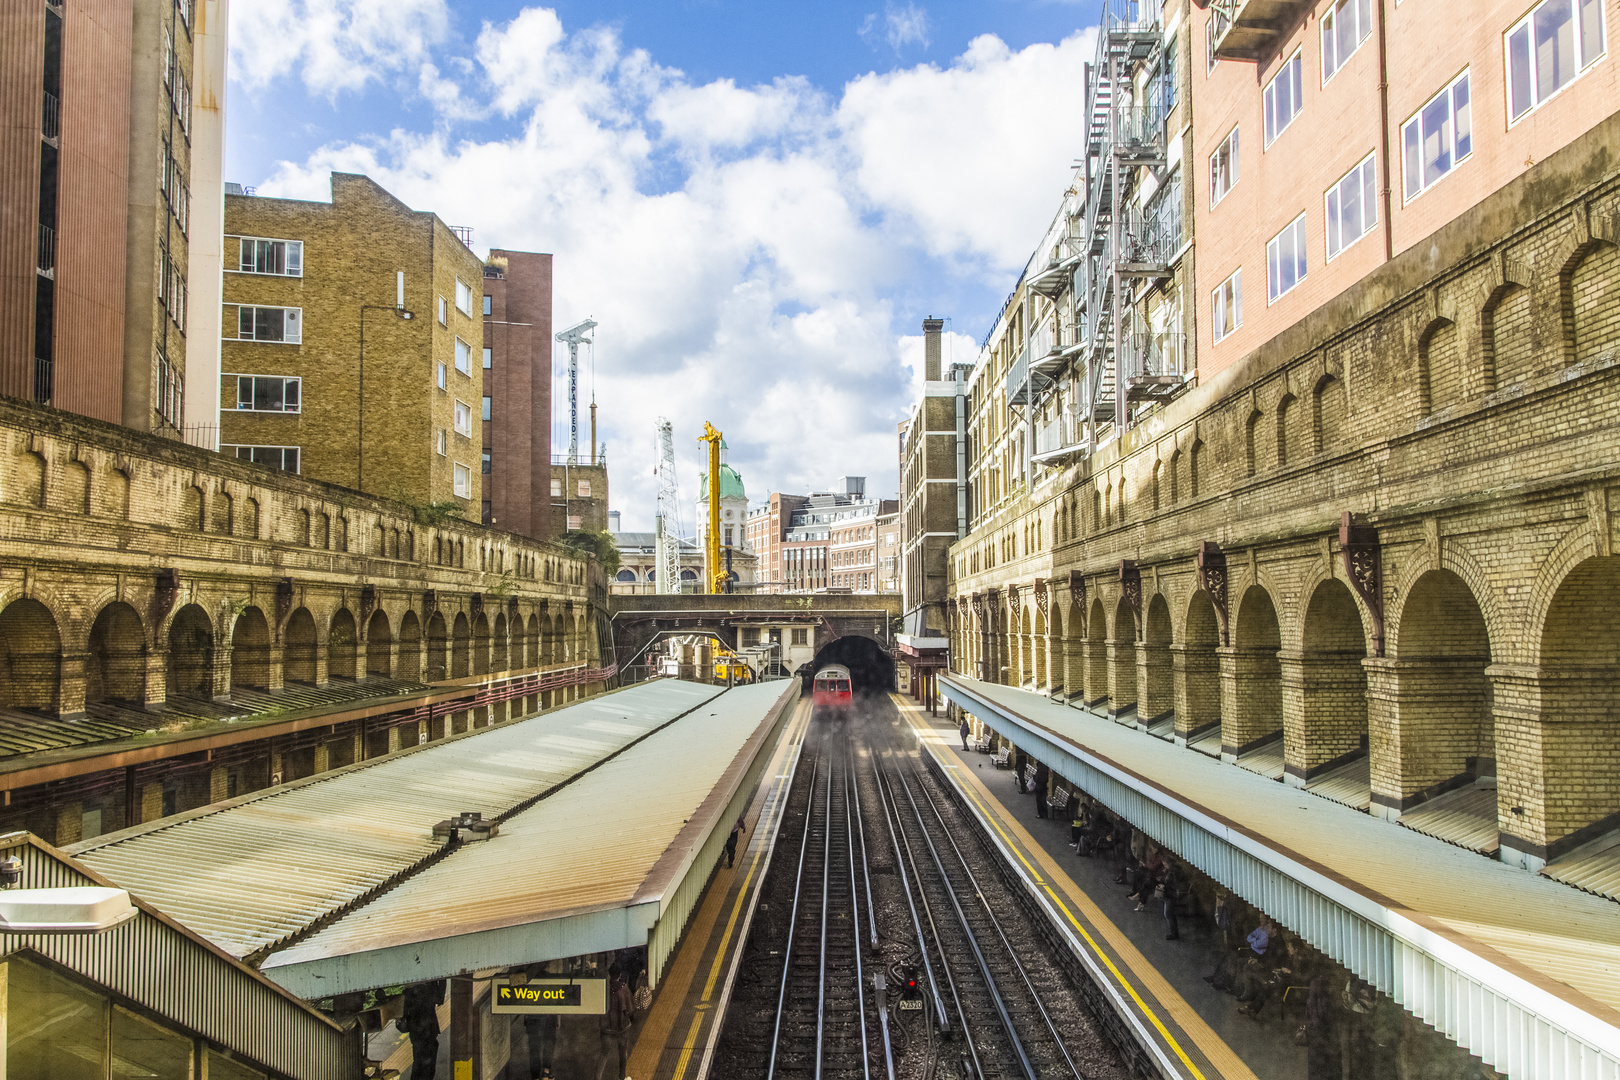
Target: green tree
{"points": [[599, 544]]}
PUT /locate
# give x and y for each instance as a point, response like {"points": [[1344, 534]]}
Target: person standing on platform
{"points": [[1018, 770], [542, 1032], [615, 1027], [1041, 777], [420, 1020], [963, 731], [737, 830]]}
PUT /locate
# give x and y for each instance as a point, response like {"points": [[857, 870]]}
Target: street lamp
{"points": [[360, 426]]}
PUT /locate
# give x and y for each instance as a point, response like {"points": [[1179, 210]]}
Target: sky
{"points": [[758, 202]]}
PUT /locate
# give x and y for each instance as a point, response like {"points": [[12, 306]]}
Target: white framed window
{"points": [[1437, 138], [556, 488], [585, 490], [284, 458], [487, 308], [1285, 259], [1352, 205], [444, 312], [1548, 49], [1223, 168], [281, 324], [1345, 26], [463, 419], [284, 258], [1228, 306], [487, 358], [443, 371], [463, 357], [463, 298], [1285, 96], [1212, 32], [463, 481], [268, 393], [439, 443]]}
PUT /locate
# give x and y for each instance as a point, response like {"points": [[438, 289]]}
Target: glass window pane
{"points": [[1436, 140], [222, 1068], [487, 358], [1555, 47], [1369, 194], [1460, 118], [244, 322], [56, 1030], [1414, 173], [1364, 22], [244, 392], [289, 459], [1591, 30], [1297, 83], [1333, 236], [290, 395], [1346, 34], [1329, 66], [1299, 249], [1519, 71], [142, 1049]]}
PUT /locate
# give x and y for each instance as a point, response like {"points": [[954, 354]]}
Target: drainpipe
{"points": [[1383, 130]]}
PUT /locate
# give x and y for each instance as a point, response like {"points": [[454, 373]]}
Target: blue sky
{"points": [[759, 202]]}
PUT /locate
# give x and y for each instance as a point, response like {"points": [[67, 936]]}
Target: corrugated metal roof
{"points": [[249, 873], [1350, 784], [1595, 868], [1522, 970], [588, 848], [1266, 761], [1465, 817]]}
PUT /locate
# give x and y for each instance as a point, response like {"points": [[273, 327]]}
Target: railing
{"points": [[559, 460], [43, 378], [1132, 16], [51, 124], [1148, 241], [47, 249], [205, 436], [464, 233], [1139, 130], [1153, 365]]}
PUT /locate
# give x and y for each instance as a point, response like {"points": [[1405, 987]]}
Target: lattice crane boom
{"points": [[668, 538], [574, 337]]}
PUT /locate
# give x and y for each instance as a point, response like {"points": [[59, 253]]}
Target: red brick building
{"points": [[517, 392]]}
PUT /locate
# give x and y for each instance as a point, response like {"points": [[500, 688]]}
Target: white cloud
{"points": [[741, 247], [900, 26], [333, 45]]}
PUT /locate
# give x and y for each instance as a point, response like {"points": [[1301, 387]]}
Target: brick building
{"points": [[767, 528], [890, 553], [111, 124], [353, 334], [933, 487], [517, 393], [579, 494]]}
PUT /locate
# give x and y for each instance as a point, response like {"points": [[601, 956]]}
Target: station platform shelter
{"points": [[1519, 969], [577, 833]]}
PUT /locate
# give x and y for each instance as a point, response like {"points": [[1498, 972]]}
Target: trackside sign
{"points": [[579, 997]]}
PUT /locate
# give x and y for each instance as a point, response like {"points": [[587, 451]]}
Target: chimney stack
{"points": [[931, 331]]}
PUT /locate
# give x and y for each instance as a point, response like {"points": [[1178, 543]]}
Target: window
{"points": [[267, 393], [1223, 168], [439, 442], [584, 489], [463, 357], [486, 409], [1212, 33], [1547, 48], [1285, 259], [1438, 138], [442, 372], [463, 298], [1285, 96], [556, 488], [1344, 27], [487, 310], [463, 481], [486, 461], [284, 458], [270, 324], [283, 257], [444, 312], [463, 419], [727, 536], [1352, 206], [1228, 314], [487, 358]]}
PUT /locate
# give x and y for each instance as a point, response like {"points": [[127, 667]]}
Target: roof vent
{"points": [[465, 827], [84, 909]]}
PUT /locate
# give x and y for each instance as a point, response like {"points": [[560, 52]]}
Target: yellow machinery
{"points": [[730, 667], [717, 573]]}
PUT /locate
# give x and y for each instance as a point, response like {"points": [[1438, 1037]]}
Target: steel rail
{"points": [[860, 831], [826, 880], [793, 919], [1002, 934], [855, 919], [973, 941]]}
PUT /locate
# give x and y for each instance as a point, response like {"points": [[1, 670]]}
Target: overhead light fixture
{"points": [[78, 909]]}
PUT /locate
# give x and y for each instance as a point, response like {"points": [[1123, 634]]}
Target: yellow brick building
{"points": [[353, 337]]}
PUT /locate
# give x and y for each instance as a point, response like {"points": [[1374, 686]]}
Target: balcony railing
{"points": [[1153, 364], [51, 122], [1139, 131], [1132, 16], [1148, 241], [1251, 29], [47, 249], [43, 380], [464, 233]]}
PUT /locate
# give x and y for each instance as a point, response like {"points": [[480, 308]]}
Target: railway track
{"points": [[891, 944]]}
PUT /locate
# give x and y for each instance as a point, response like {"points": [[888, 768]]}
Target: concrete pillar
{"points": [[1324, 698], [322, 668], [393, 738], [323, 757], [1251, 699], [1196, 685], [360, 659], [219, 669]]}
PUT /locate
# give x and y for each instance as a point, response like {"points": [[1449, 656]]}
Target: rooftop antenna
{"points": [[573, 337]]}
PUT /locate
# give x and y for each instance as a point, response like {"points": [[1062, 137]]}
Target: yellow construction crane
{"points": [[717, 573]]}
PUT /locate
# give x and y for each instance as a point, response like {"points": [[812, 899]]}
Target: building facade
{"points": [[890, 557], [933, 487], [112, 120], [738, 561], [353, 334], [579, 494], [638, 562], [767, 528], [517, 393]]}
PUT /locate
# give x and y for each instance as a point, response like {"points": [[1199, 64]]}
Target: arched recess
{"points": [[1325, 687], [115, 669], [1563, 767], [1096, 655], [437, 649], [1441, 377], [1287, 430], [342, 645], [1122, 691], [1251, 455], [30, 657], [409, 664], [250, 651], [1591, 294], [1436, 731], [498, 645], [1029, 641], [531, 655], [1251, 690], [1508, 329], [299, 648], [379, 641], [461, 647], [1156, 701], [1074, 651], [1329, 416], [1198, 670], [191, 654], [480, 645]]}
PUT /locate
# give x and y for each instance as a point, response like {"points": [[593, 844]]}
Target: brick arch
{"points": [[1441, 381], [30, 656], [300, 643], [342, 645], [531, 642], [1096, 653], [1122, 675], [1287, 435], [1507, 335], [250, 649], [499, 658], [190, 663], [115, 661], [461, 646], [1156, 698], [1255, 715], [1576, 546], [1325, 711], [1198, 703], [1499, 622], [1589, 300], [480, 645], [437, 665], [1330, 415], [409, 654], [379, 644]]}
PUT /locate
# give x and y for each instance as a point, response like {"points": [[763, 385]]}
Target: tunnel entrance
{"points": [[871, 670]]}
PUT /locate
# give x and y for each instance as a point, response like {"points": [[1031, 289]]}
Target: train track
{"points": [[880, 879]]}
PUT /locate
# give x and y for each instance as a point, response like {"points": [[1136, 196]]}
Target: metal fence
{"points": [[51, 124]]}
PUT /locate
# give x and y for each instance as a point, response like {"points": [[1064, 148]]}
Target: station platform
{"points": [[1522, 971]]}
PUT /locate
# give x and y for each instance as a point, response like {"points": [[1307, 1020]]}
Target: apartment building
{"points": [[517, 396], [352, 333], [111, 125], [767, 527], [889, 553]]}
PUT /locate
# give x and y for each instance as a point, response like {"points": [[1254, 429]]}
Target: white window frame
{"points": [[292, 324], [463, 357], [489, 358], [1330, 25], [1583, 62], [1292, 76], [463, 418], [444, 312], [1230, 146], [235, 450], [1364, 176], [284, 379], [463, 297], [556, 488], [444, 370], [1228, 295], [461, 482], [292, 253], [584, 489], [441, 443], [1448, 93], [1293, 238]]}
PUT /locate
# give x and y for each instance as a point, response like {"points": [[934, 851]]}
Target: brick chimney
{"points": [[931, 331]]}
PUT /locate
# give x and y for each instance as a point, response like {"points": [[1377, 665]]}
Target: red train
{"points": [[830, 694]]}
